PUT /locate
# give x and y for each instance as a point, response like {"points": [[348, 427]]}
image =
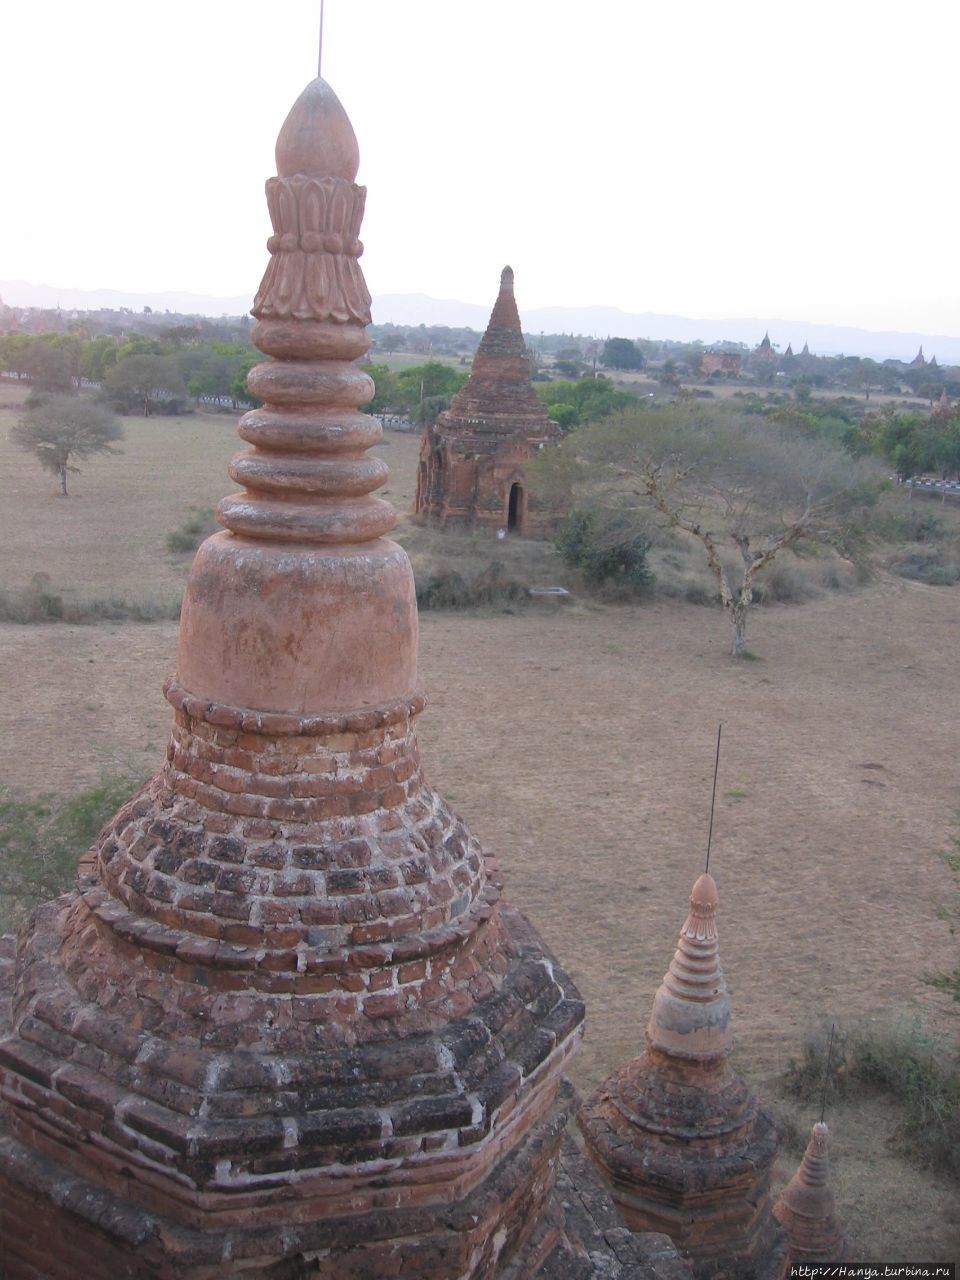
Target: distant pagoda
{"points": [[472, 461]]}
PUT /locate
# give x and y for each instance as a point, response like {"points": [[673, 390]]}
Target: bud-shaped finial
{"points": [[317, 138]]}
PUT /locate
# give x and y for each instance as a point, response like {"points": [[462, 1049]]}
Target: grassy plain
{"points": [[577, 741]]}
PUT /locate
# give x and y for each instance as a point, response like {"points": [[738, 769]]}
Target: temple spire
{"points": [[276, 607], [691, 1010], [806, 1208], [679, 1137]]}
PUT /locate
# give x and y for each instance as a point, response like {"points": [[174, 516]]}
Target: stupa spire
{"points": [[285, 1022], [680, 1139], [806, 1209], [691, 1010], [312, 611]]}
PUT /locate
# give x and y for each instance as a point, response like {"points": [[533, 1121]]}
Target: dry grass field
{"points": [[577, 741]]}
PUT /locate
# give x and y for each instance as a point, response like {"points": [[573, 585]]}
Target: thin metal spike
{"points": [[320, 49], [713, 799], [826, 1073]]}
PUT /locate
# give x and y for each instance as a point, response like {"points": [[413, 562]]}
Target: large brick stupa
{"points": [[285, 1026], [472, 460]]}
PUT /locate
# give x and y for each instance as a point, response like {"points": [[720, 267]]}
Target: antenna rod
{"points": [[320, 51], [713, 799], [826, 1073]]}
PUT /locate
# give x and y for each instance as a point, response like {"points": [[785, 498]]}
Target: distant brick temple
{"points": [[726, 364], [473, 458]]}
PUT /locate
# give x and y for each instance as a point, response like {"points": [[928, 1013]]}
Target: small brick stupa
{"points": [[473, 457], [680, 1139], [806, 1210], [285, 1027]]}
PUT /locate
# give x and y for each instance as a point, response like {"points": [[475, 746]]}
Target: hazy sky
{"points": [[792, 160]]}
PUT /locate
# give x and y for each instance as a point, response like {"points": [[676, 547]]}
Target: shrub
{"points": [[39, 603], [903, 1062], [42, 839], [609, 549], [199, 524], [949, 981], [925, 565], [449, 589], [783, 584]]}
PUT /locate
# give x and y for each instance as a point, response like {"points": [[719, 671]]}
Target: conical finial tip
{"points": [[317, 138], [506, 278], [704, 892]]}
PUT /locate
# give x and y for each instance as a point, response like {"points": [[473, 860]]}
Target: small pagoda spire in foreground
{"points": [[680, 1139], [806, 1209]]}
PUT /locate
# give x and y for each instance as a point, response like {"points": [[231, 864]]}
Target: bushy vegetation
{"points": [[43, 838], [490, 587], [903, 1062], [420, 392], [161, 372], [914, 444], [609, 548], [198, 525], [41, 602], [950, 911], [571, 404]]}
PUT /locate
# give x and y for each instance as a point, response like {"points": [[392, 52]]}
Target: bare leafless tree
{"points": [[727, 480]]}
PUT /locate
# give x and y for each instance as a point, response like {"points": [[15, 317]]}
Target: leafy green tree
{"points": [[607, 547], [142, 380], [57, 429], [569, 362], [49, 368], [98, 355], [621, 353], [385, 382], [590, 399], [566, 416], [239, 390], [421, 381], [14, 349], [207, 372]]}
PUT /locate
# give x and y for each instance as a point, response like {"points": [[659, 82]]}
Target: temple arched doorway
{"points": [[515, 509]]}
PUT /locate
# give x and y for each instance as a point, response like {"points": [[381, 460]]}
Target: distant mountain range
{"points": [[602, 322]]}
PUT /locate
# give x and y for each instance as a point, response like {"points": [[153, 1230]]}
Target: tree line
{"points": [[141, 374]]}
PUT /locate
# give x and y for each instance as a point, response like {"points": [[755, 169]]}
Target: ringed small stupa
{"points": [[472, 459], [806, 1208], [680, 1139], [285, 1027]]}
